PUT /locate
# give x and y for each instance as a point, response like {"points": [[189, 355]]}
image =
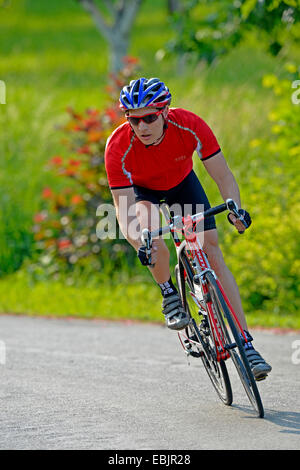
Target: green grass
{"points": [[138, 300], [51, 56]]}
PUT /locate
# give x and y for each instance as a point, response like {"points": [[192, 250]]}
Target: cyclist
{"points": [[148, 160]]}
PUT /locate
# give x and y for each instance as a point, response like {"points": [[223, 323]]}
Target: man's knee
{"points": [[148, 214], [124, 201], [162, 248]]}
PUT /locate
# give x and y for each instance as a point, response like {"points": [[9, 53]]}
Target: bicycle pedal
{"points": [[206, 332], [204, 329], [187, 347], [260, 379], [197, 354]]}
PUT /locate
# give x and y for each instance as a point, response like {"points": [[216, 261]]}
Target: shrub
{"points": [[266, 260], [65, 228]]}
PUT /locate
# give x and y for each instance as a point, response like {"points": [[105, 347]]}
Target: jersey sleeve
{"points": [[115, 162], [206, 142], [209, 143]]}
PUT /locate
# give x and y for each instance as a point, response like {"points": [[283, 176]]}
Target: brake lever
{"points": [[147, 242], [232, 207]]}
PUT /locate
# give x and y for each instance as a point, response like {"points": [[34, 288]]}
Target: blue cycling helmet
{"points": [[143, 92]]}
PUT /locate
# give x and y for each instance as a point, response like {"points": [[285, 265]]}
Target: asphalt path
{"points": [[87, 384]]}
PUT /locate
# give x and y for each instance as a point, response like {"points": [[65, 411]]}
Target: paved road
{"points": [[76, 384]]}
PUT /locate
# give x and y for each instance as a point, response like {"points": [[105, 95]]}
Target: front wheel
{"points": [[198, 340], [234, 343]]}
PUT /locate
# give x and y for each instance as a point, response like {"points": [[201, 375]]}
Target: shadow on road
{"points": [[290, 420]]}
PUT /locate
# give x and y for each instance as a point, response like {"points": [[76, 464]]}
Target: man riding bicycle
{"points": [[148, 160]]}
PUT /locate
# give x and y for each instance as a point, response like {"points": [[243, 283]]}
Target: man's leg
{"points": [[133, 218], [149, 217], [124, 202]]}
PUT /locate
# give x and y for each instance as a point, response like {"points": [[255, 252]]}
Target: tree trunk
{"points": [[119, 46], [173, 5], [117, 35]]}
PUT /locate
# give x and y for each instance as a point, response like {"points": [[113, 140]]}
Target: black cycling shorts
{"points": [[187, 198]]}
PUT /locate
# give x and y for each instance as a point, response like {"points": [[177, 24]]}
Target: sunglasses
{"points": [[147, 118]]}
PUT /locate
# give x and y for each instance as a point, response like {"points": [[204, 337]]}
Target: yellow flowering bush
{"points": [[266, 260]]}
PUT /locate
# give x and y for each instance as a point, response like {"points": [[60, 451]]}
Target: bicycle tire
{"points": [[216, 370], [235, 346]]}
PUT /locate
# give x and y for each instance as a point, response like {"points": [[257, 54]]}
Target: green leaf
{"points": [[247, 8]]}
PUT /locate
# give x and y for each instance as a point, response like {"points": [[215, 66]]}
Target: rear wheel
{"points": [[198, 340]]}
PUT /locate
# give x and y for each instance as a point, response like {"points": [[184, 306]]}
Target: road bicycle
{"points": [[214, 333]]}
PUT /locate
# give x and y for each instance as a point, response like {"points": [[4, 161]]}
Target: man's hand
{"points": [[242, 223], [145, 261]]}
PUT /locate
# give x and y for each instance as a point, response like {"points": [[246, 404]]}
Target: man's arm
{"points": [[223, 177], [226, 182]]}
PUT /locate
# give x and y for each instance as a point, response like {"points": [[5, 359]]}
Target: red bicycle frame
{"points": [[199, 259]]}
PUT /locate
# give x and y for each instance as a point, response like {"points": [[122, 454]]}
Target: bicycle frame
{"points": [[191, 247]]}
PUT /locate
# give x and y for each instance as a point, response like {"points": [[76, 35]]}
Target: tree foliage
{"points": [[209, 35]]}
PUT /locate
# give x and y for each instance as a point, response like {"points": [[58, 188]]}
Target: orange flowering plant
{"points": [[65, 228]]}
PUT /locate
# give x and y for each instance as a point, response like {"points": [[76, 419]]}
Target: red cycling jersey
{"points": [[129, 162]]}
